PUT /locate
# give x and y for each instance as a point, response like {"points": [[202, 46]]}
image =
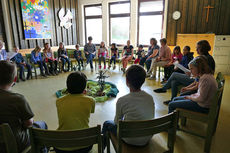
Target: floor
{"points": [[40, 94]]}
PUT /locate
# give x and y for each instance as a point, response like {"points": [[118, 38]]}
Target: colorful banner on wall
{"points": [[36, 19]]}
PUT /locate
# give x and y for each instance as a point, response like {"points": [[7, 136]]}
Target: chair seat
{"points": [[193, 115], [73, 60], [151, 147]]}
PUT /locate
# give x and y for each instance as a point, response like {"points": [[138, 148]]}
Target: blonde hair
{"points": [[201, 63]]}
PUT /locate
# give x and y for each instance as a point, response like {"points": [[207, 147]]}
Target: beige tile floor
{"points": [[40, 94]]}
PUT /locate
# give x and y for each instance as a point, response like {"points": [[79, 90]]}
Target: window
{"points": [[150, 20], [93, 23], [119, 22]]}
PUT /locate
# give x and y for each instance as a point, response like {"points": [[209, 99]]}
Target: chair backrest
{"points": [[7, 138], [217, 98], [28, 58], [65, 139], [131, 129]]}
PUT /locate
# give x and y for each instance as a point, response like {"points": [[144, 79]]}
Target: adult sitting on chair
{"points": [[177, 79], [15, 109], [36, 58], [19, 60], [152, 54], [62, 54], [163, 59], [90, 51]]}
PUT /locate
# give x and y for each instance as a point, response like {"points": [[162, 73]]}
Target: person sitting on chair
{"points": [[90, 51], [62, 55], [19, 60]]}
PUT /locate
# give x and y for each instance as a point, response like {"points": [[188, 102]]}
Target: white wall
{"points": [[105, 19]]}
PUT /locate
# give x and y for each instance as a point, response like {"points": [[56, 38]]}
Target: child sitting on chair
{"points": [[102, 54], [114, 56], [78, 57], [207, 87], [137, 105], [139, 54], [36, 58], [49, 58], [74, 109], [19, 60], [62, 55]]}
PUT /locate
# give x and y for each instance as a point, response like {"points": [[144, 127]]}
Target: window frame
{"points": [[91, 17], [148, 14], [117, 16]]}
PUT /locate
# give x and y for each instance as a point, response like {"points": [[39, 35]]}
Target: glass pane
{"points": [[120, 30], [150, 26], [91, 25], [94, 10], [152, 6], [120, 8]]}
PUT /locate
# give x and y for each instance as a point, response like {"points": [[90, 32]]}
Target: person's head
{"points": [[153, 41], [77, 47], [186, 50], [128, 42], [90, 39], [102, 45], [199, 66], [114, 45], [203, 47], [37, 49], [61, 45], [163, 41], [135, 77], [16, 49], [8, 73], [76, 83], [1, 44], [140, 47], [176, 50], [47, 46]]}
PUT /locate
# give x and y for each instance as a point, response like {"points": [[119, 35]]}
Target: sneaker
{"points": [[109, 67], [22, 79], [166, 102], [160, 90], [148, 75], [104, 67]]}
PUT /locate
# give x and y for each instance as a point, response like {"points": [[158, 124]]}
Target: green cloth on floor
{"points": [[110, 90]]}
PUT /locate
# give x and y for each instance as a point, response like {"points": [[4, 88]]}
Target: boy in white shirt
{"points": [[137, 105]]}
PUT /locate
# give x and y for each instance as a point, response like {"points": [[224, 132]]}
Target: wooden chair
{"points": [[73, 61], [130, 129], [65, 139], [34, 66], [7, 138], [211, 118]]}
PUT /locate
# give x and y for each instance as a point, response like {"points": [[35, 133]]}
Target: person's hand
{"points": [[24, 63], [183, 89], [188, 73], [87, 53], [187, 97]]}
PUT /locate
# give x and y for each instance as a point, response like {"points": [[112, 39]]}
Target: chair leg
{"points": [[171, 140], [107, 142], [183, 121], [35, 72], [208, 139]]}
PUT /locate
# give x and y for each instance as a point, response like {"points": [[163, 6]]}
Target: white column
{"points": [[133, 23], [105, 22], [165, 19], [7, 23]]}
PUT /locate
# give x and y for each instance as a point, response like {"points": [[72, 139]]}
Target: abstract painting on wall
{"points": [[36, 19]]}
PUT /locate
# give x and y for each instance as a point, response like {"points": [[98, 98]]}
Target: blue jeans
{"points": [[90, 59], [175, 80], [108, 126], [181, 102], [113, 59], [41, 65], [148, 63], [22, 68], [64, 60]]}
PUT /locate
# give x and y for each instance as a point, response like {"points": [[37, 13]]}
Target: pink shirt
{"points": [[165, 52], [177, 57], [206, 89]]}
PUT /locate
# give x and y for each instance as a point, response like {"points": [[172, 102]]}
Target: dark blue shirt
{"points": [[62, 52], [186, 59], [77, 53], [18, 58], [150, 50]]}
